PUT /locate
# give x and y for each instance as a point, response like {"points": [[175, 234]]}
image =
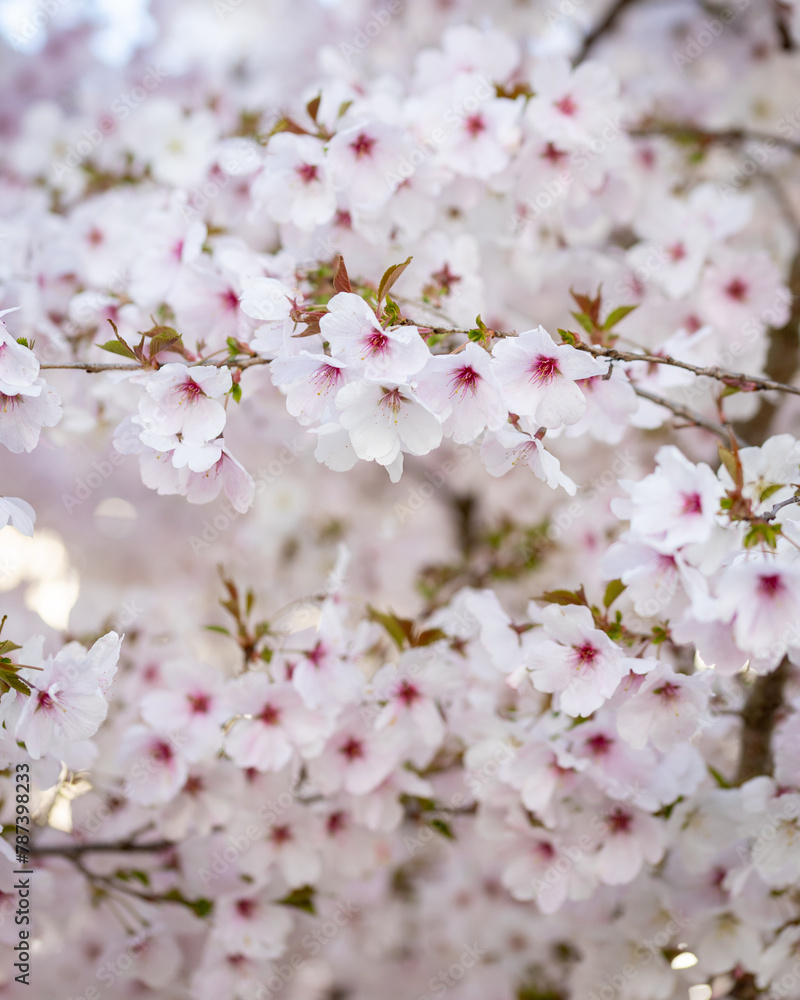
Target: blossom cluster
{"points": [[459, 311]]}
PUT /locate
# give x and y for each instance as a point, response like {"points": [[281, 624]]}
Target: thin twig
{"points": [[784, 503], [751, 382], [728, 137], [122, 847], [90, 366], [602, 28], [690, 416]]}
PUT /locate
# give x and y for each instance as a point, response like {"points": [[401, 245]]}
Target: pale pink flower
{"points": [[577, 660], [182, 400], [667, 709], [294, 185], [275, 726], [537, 377], [463, 390], [358, 339]]}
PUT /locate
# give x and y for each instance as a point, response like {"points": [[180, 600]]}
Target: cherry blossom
{"points": [[538, 377], [356, 336], [576, 660], [463, 390], [518, 719]]}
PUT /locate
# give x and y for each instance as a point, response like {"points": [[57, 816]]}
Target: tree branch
{"points": [[759, 715], [602, 28], [683, 132], [693, 419], [122, 847], [752, 383]]}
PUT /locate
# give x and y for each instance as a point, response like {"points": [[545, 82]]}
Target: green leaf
{"points": [[390, 276], [616, 315], [720, 780], [202, 907], [217, 628], [302, 899], [443, 828], [762, 532], [10, 679], [391, 623], [563, 597], [118, 347], [236, 392], [162, 338], [768, 491], [569, 338], [585, 321], [7, 646], [613, 590], [313, 108], [480, 334]]}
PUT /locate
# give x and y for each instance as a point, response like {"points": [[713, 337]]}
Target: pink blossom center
{"points": [[270, 715], [737, 290], [230, 300], [308, 172], [281, 834], [544, 369], [567, 105], [336, 822], [200, 703], [376, 342], [44, 701], [317, 654], [668, 691], [620, 821], [362, 146], [190, 391], [770, 586], [692, 503], [246, 907], [552, 154], [676, 252], [343, 219], [599, 745], [475, 125], [327, 377], [585, 654], [545, 850], [194, 785], [9, 402], [464, 379], [162, 752], [692, 324], [408, 693], [353, 749], [392, 399]]}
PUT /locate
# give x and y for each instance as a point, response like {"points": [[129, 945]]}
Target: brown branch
{"points": [[753, 383], [602, 28], [122, 847], [759, 715], [690, 416], [89, 366], [683, 132]]}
